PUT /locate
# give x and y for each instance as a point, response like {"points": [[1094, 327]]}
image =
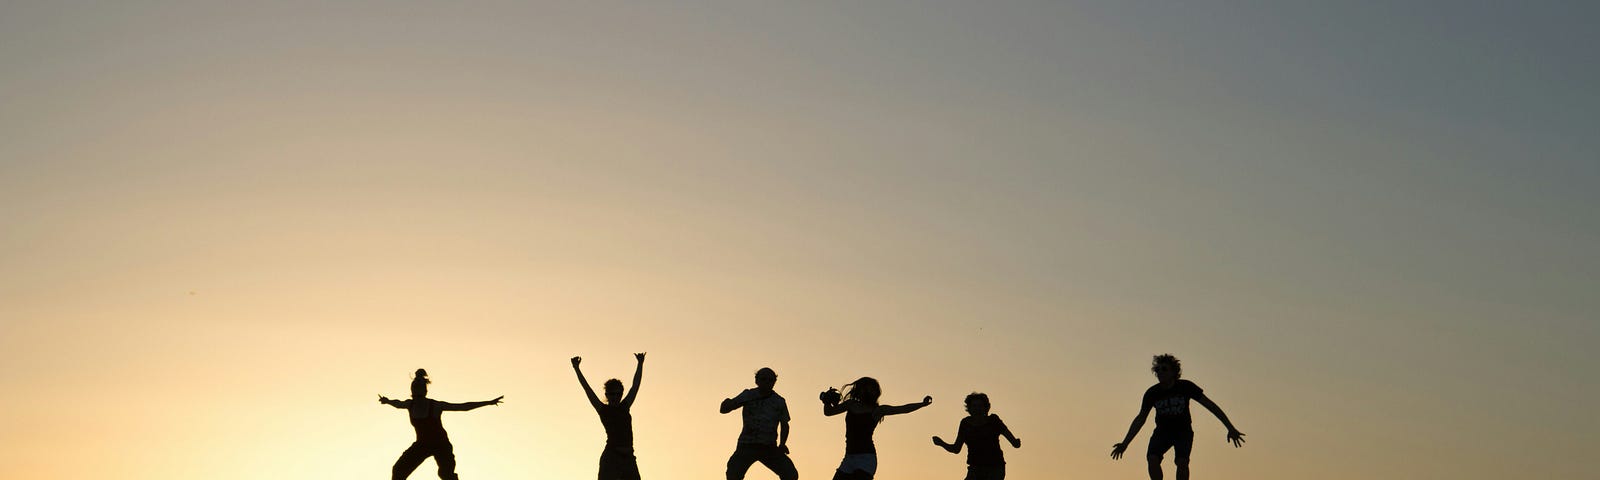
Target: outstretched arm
{"points": [[887, 410], [1138, 423], [587, 390], [638, 374], [961, 439], [1006, 432], [1234, 435], [394, 403], [462, 407]]}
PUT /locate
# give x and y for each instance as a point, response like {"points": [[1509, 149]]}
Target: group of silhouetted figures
{"points": [[765, 435]]}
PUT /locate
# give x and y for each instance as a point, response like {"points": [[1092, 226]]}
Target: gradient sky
{"points": [[1368, 229]]}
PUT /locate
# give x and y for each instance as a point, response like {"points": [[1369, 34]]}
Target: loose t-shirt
{"points": [[983, 441], [1171, 404], [762, 416]]}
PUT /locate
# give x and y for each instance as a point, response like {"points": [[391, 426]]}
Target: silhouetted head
{"points": [[977, 404], [613, 391], [766, 378], [1167, 368], [864, 390], [419, 384]]}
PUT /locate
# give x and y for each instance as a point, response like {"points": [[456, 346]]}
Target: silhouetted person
{"points": [[766, 421], [1170, 399], [981, 432], [616, 461], [431, 439], [859, 403]]}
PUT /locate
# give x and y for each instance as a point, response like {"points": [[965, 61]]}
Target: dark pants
{"points": [[769, 455], [986, 472], [618, 465], [443, 454]]}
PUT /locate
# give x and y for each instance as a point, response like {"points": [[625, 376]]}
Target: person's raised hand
{"points": [[576, 361], [1236, 438], [639, 356]]}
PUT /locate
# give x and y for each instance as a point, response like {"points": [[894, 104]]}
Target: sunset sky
{"points": [[1369, 230]]}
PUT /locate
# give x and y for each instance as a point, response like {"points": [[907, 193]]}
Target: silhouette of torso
{"points": [[983, 440], [858, 429], [761, 418], [619, 426], [1172, 404], [425, 413]]}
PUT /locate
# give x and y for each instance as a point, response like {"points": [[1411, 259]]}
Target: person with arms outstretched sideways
{"points": [[859, 403], [616, 461], [981, 431], [766, 421], [431, 439], [1170, 400]]}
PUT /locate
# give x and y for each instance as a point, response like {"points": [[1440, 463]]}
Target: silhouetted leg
{"points": [[618, 466], [1180, 454], [606, 472], [986, 472], [780, 464], [1160, 442], [739, 463], [408, 462], [445, 456]]}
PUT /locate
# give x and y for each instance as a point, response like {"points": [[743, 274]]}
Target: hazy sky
{"points": [[1368, 229]]}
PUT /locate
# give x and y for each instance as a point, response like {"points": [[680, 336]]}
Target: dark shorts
{"points": [[618, 465], [769, 455], [1179, 441], [986, 472]]}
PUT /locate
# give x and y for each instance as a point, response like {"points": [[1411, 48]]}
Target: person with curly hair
{"points": [[1170, 397], [981, 431], [859, 403]]}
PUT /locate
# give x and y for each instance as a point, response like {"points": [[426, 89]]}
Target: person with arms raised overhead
{"points": [[859, 403], [616, 461], [981, 431], [1169, 397], [431, 438], [766, 421]]}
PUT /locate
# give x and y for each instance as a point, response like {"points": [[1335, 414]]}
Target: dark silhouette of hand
{"points": [[1116, 450], [383, 400], [639, 356], [1016, 443], [497, 400], [927, 400], [1236, 437], [938, 441], [576, 361], [784, 449]]}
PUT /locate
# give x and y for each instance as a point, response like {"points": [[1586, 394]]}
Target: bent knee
{"points": [[1181, 462], [1153, 458]]}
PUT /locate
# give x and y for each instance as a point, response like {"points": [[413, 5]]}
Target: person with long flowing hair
{"points": [[859, 403]]}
